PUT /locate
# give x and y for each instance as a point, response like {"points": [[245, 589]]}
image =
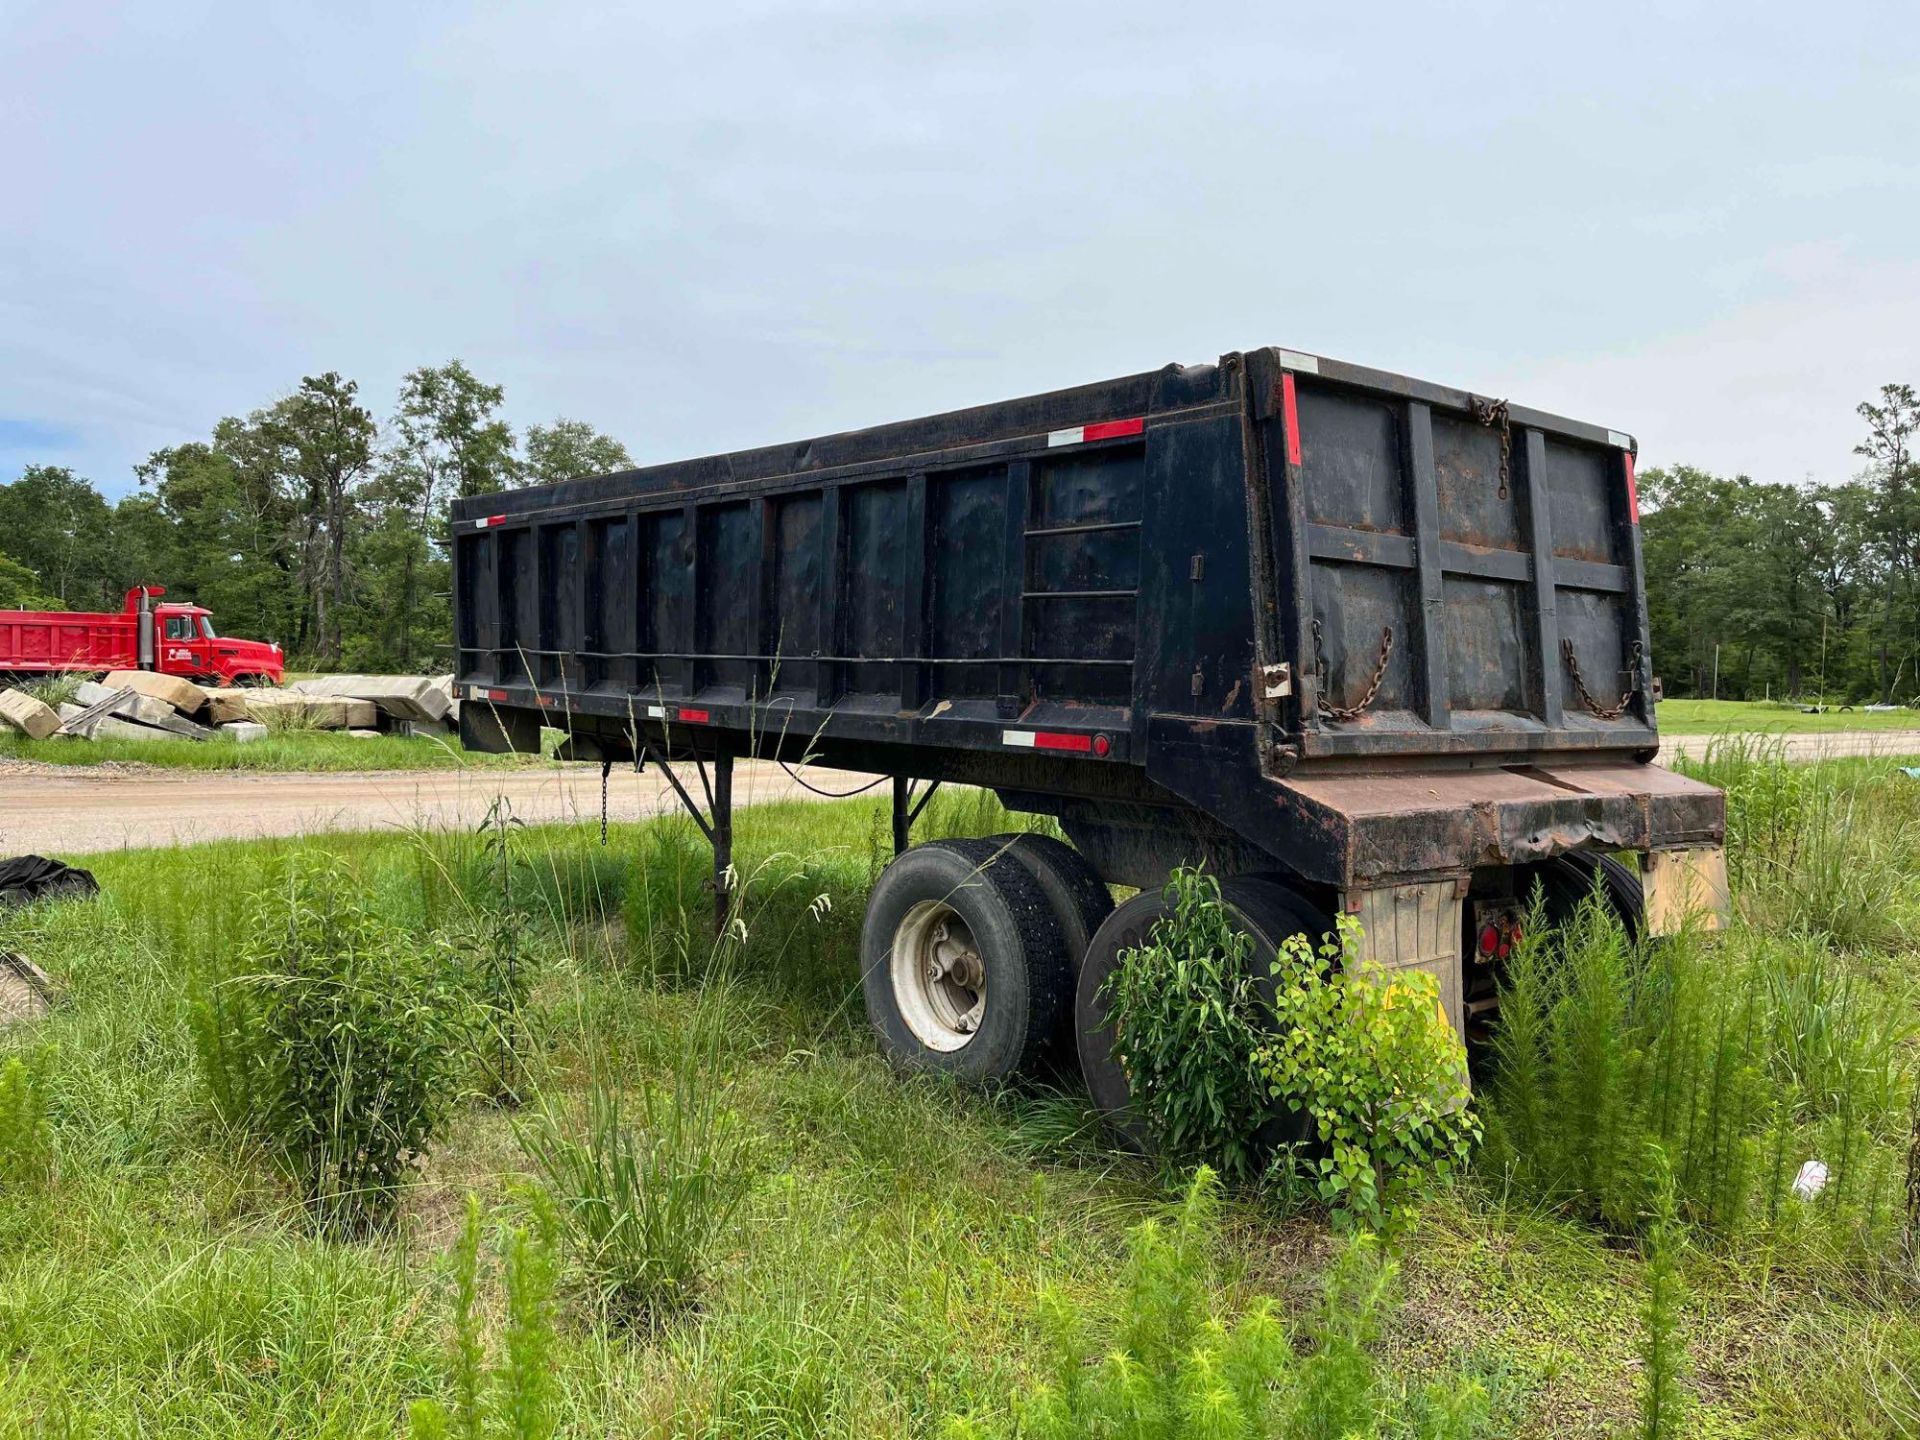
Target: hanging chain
{"points": [[1349, 712], [606, 769], [1491, 413], [1604, 712]]}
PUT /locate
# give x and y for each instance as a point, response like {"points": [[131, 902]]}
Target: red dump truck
{"points": [[145, 634]]}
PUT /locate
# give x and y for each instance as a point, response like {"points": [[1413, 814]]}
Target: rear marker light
{"points": [[1633, 490], [1104, 430]]}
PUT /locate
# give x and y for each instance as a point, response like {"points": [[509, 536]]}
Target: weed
{"points": [[1662, 1353], [516, 1399], [648, 1184], [334, 1044], [26, 1148]]}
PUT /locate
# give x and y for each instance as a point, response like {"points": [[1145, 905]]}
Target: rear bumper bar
{"points": [[1398, 826]]}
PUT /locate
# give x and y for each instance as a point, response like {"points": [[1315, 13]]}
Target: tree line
{"points": [[309, 521], [313, 523], [1760, 588]]}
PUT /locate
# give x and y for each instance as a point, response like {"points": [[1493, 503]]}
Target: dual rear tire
{"points": [[969, 950]]}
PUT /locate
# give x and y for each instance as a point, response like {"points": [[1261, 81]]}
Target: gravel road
{"points": [[71, 810], [74, 810]]}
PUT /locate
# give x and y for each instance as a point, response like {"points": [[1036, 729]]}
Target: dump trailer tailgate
{"points": [[1410, 825]]}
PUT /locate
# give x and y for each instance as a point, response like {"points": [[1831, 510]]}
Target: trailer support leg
{"points": [[715, 821], [722, 834], [906, 810]]}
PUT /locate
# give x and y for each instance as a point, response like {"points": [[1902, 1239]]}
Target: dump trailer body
{"points": [[1278, 612]]}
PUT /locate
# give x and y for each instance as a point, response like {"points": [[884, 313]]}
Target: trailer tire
{"points": [[1080, 898], [1081, 903], [1566, 880], [974, 914], [1268, 910]]}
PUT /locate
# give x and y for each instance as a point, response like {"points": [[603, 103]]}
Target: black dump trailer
{"points": [[1355, 641]]}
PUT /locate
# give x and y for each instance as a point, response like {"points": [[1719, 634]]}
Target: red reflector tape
{"points": [[475, 692], [1290, 417], [1050, 740], [1633, 489], [1103, 430], [695, 717]]}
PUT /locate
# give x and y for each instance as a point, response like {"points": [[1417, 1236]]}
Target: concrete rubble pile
{"points": [[143, 705]]}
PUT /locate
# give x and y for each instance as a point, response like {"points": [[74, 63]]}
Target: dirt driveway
{"points": [[71, 810]]}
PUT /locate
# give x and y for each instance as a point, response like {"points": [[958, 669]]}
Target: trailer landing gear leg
{"points": [[715, 822], [906, 811]]}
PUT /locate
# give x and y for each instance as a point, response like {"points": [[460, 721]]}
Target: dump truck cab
{"points": [[178, 639]]}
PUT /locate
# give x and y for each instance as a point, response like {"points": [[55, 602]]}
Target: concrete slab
{"points": [[404, 697], [243, 732], [183, 695], [289, 710], [20, 712], [112, 727], [225, 706]]}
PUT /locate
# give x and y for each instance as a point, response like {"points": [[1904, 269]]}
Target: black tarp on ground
{"points": [[34, 877]]}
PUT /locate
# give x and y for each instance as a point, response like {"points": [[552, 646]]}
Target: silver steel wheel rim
{"points": [[939, 976]]}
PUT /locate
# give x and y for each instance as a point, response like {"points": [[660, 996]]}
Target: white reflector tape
{"points": [[487, 520], [1305, 364], [1017, 737], [656, 712], [1619, 441], [1076, 436]]}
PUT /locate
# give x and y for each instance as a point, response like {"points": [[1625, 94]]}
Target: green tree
{"points": [[447, 444], [58, 523], [1893, 430], [326, 439], [568, 448], [20, 588]]}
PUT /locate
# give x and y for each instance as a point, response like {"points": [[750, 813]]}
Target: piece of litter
{"points": [[1912, 772], [25, 991], [1811, 1180]]}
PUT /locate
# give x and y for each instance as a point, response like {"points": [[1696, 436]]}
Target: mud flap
{"points": [[1414, 927], [1684, 884]]}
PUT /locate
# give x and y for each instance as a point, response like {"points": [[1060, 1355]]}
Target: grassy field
{"points": [[890, 1260], [292, 750], [1710, 717]]}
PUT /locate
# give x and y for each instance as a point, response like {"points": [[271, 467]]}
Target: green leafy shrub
{"points": [[1374, 1061], [515, 1399], [1371, 1061], [1177, 1369], [334, 1041], [26, 1144], [651, 1177], [1188, 1018]]}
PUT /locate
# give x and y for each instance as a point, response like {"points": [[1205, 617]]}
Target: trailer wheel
{"points": [[962, 961], [1081, 902], [1268, 910], [1566, 880], [1080, 898]]}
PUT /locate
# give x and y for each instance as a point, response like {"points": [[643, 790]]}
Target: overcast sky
{"points": [[702, 227]]}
